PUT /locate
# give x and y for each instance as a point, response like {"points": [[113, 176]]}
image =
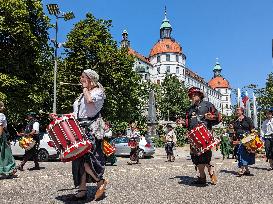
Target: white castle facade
{"points": [[166, 57]]}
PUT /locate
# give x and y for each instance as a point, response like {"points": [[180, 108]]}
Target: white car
{"points": [[46, 149]]}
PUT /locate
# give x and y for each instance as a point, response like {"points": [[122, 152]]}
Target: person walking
{"points": [[7, 162], [170, 142], [267, 134]]}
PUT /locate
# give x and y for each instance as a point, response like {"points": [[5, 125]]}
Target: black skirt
{"points": [[204, 158], [96, 161]]}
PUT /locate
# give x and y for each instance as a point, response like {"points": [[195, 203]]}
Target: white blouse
{"points": [[89, 109], [3, 120]]}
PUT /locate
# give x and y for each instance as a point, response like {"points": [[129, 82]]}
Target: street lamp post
{"points": [[53, 9]]}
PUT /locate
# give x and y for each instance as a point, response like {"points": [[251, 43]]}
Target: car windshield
{"points": [[121, 140]]}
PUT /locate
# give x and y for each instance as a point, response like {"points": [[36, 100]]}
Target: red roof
{"points": [[166, 45], [219, 82], [139, 56]]}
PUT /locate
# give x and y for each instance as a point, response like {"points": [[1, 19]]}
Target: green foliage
{"points": [[158, 142], [90, 45], [172, 98], [265, 98], [24, 56], [181, 136]]}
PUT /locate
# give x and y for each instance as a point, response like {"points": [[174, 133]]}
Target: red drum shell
{"points": [[132, 143], [68, 137], [202, 139]]}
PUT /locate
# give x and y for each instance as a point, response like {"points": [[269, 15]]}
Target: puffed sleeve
{"points": [[98, 95], [3, 120]]}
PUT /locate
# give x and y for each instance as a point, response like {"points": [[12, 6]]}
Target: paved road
{"points": [[152, 181]]}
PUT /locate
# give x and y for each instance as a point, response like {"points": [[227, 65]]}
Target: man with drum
{"points": [[243, 125], [267, 134], [201, 112], [31, 130]]}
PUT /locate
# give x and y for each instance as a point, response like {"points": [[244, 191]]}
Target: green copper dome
{"points": [[217, 67], [165, 24]]}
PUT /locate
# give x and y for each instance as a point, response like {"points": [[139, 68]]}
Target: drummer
{"points": [[243, 125], [87, 108], [134, 134], [201, 112], [267, 134]]}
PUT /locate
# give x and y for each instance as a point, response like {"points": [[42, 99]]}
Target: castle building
{"points": [[167, 57]]}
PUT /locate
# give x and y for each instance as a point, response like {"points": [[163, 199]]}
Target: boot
{"points": [[172, 158], [213, 178]]}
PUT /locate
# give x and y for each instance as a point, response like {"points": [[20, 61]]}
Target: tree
{"points": [[24, 56], [265, 98], [90, 45], [173, 99]]}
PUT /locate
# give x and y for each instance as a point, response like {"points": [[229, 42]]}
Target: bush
{"points": [[158, 141], [181, 136]]}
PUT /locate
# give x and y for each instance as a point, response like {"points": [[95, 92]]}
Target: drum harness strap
{"points": [[84, 122]]}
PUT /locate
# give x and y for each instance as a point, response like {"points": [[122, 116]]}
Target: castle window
{"points": [[158, 81], [168, 69], [177, 70], [177, 58], [158, 58], [158, 70], [168, 57]]}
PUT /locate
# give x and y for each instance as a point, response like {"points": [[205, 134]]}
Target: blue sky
{"points": [[238, 32]]}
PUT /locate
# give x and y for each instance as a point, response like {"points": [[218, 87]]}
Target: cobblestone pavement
{"points": [[152, 181]]}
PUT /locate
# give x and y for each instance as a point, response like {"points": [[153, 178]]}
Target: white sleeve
{"points": [[3, 119], [36, 127], [98, 95]]}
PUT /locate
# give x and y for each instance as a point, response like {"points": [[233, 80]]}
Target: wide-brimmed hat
{"points": [[194, 90], [270, 110]]}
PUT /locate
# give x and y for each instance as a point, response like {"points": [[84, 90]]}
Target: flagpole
{"points": [[255, 117]]}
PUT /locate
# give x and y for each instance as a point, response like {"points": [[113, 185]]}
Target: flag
{"points": [[247, 104], [255, 117], [239, 99], [245, 98]]}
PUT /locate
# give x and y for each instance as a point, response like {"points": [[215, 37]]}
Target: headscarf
{"points": [[91, 74]]}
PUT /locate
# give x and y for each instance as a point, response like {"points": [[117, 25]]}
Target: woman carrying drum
{"points": [[243, 125], [87, 107]]}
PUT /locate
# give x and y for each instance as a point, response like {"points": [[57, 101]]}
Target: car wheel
{"points": [[43, 155], [141, 154]]}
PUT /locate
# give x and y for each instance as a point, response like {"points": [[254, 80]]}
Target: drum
{"points": [[201, 139], [27, 143], [132, 143], [68, 137], [107, 148], [252, 141]]}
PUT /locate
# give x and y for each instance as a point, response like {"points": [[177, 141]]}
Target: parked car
{"points": [[146, 148], [46, 149]]}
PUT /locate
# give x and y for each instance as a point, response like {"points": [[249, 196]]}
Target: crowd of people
{"points": [[90, 167]]}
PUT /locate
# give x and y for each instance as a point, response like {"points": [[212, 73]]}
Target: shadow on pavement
{"points": [[188, 180], [259, 168], [229, 172], [91, 190], [33, 169]]}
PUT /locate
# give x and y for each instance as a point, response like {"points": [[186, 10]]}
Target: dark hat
{"points": [[194, 90], [270, 110], [31, 113]]}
